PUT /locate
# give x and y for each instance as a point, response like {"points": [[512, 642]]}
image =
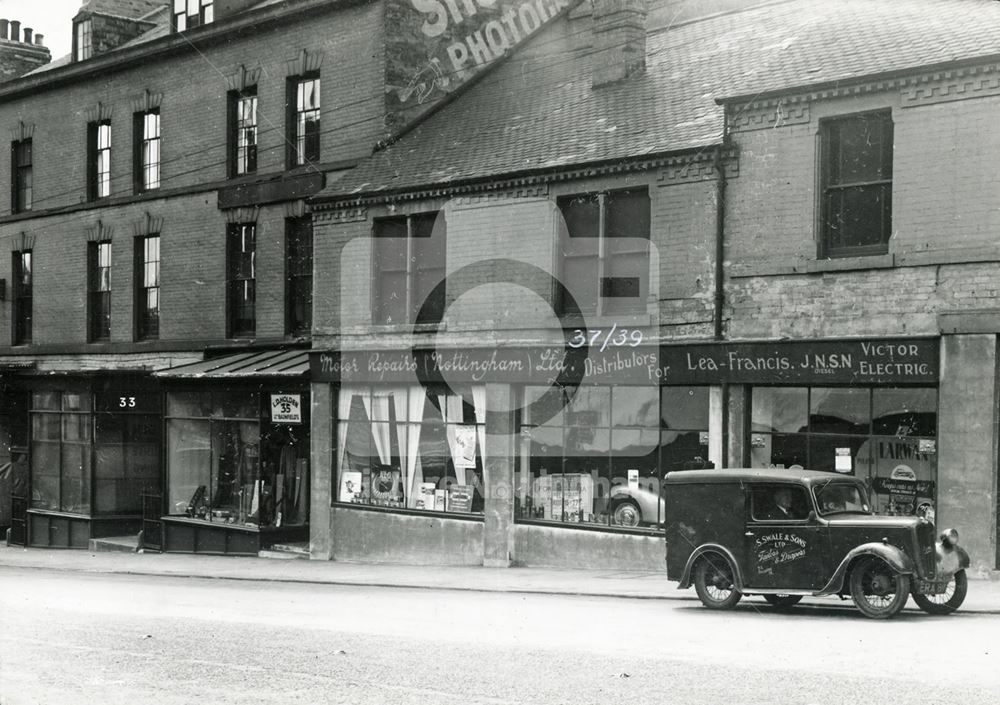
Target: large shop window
{"points": [[885, 435], [413, 448], [92, 459], [224, 466], [598, 456]]}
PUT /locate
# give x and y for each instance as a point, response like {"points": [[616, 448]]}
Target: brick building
{"points": [[594, 244], [787, 206], [154, 218]]}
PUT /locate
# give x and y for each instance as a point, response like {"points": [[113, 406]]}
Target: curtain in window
{"points": [[377, 406], [409, 418], [344, 398], [479, 401], [451, 411]]}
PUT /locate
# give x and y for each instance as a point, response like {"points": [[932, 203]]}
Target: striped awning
{"points": [[269, 363]]}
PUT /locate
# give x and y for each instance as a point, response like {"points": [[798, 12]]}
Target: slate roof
{"points": [[133, 9], [537, 110], [157, 12]]}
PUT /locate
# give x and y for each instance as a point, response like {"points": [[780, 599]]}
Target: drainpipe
{"points": [[720, 292], [720, 236]]}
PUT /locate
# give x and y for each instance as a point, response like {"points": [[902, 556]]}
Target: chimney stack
{"points": [[16, 57], [619, 40]]}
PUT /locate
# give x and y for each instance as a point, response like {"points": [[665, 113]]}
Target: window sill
{"points": [[583, 526], [401, 328], [462, 516], [770, 268], [623, 320]]}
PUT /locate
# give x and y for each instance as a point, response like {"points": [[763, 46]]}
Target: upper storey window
{"points": [[83, 45], [857, 184], [192, 13]]}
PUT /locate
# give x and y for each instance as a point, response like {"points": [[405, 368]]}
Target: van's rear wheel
{"points": [[878, 590], [714, 582]]}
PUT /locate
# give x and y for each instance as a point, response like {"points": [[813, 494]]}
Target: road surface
{"points": [[109, 639]]}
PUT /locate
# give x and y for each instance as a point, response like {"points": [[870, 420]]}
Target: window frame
{"points": [[22, 175], [296, 157], [828, 188], [147, 326], [182, 19], [146, 174], [236, 129], [99, 271], [95, 155], [603, 257], [298, 277], [236, 278], [83, 29], [413, 269], [22, 297]]}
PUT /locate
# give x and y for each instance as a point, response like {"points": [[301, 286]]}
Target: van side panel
{"points": [[702, 513]]}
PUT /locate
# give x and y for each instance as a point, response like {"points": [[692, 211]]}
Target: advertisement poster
{"points": [[464, 454], [350, 486], [425, 496], [286, 408], [460, 498]]}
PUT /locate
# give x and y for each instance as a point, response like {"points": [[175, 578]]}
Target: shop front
{"points": [[236, 453], [429, 444], [867, 408], [93, 449], [439, 455]]}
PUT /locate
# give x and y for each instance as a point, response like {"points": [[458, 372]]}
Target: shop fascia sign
{"points": [[854, 362]]}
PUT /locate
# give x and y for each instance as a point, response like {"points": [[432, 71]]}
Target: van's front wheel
{"points": [[714, 582], [878, 590]]}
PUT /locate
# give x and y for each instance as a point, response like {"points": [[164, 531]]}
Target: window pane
{"points": [[683, 450], [580, 277], [684, 407], [581, 215], [905, 412], [189, 462], [196, 404], [589, 407], [635, 406], [839, 410], [46, 400], [859, 216], [627, 216], [780, 409], [859, 147]]}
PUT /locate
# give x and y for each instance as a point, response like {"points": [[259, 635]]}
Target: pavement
{"points": [[983, 595]]}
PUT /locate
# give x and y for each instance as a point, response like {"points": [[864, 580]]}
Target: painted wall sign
{"points": [[805, 363], [286, 408], [434, 46], [540, 365], [814, 362]]}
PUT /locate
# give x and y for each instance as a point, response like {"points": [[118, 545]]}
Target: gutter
{"points": [[127, 57]]}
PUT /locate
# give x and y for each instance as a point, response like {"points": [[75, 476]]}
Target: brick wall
{"points": [[943, 255], [193, 128], [521, 225]]}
